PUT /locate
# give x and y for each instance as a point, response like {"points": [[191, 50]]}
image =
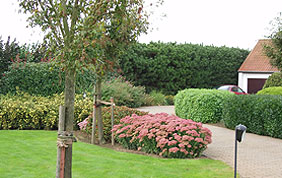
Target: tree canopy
{"points": [[274, 51]]}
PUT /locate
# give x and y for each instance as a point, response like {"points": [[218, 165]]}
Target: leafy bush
{"points": [[201, 105], [24, 111], [158, 99], [261, 114], [119, 113], [271, 91], [275, 80], [169, 99], [124, 93], [170, 67], [167, 136], [41, 79]]}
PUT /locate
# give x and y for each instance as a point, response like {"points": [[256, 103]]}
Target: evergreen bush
{"points": [[270, 91], [201, 105], [275, 80], [261, 114]]}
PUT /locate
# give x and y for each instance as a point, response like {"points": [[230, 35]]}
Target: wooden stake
{"points": [[112, 117], [60, 153], [94, 118]]}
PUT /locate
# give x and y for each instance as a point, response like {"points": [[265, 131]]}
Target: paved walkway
{"points": [[258, 156]]}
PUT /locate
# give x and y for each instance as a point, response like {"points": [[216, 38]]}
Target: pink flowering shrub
{"points": [[166, 135]]}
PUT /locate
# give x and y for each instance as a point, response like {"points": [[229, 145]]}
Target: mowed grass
{"points": [[33, 154]]}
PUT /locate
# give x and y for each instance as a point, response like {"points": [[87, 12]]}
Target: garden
{"points": [[32, 91]]}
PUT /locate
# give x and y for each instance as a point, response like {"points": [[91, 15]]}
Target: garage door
{"points": [[254, 85]]}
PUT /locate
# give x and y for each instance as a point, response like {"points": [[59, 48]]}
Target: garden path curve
{"points": [[258, 156]]}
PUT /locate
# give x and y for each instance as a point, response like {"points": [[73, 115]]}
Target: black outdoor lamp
{"points": [[240, 131]]}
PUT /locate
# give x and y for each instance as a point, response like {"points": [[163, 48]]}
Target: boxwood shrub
{"points": [[201, 105], [261, 114], [271, 91]]}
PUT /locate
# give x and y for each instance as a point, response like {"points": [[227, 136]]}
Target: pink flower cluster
{"points": [[163, 134]]}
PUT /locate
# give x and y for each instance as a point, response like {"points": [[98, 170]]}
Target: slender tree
{"points": [[85, 33], [274, 50]]}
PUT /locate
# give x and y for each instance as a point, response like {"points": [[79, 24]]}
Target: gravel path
{"points": [[258, 156]]}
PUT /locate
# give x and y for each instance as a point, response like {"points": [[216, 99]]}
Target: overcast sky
{"points": [[233, 23]]}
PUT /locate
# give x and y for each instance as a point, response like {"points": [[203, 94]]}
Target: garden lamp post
{"points": [[240, 131]]}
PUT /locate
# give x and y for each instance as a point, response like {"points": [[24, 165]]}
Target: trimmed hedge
{"points": [[261, 114], [201, 105], [162, 134], [24, 111], [170, 67], [271, 91], [275, 80], [42, 79]]}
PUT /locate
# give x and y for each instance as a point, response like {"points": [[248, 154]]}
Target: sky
{"points": [[232, 23]]}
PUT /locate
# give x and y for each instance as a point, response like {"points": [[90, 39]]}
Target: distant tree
{"points": [[8, 51], [85, 33], [274, 51]]}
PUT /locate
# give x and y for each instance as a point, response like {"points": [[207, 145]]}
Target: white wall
{"points": [[243, 78]]}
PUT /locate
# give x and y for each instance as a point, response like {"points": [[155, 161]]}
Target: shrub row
{"points": [[270, 91], [162, 134], [171, 67], [42, 79], [23, 111], [261, 114], [201, 105], [119, 113]]}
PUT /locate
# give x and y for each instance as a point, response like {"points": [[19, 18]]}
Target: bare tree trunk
{"points": [[65, 136], [99, 111]]}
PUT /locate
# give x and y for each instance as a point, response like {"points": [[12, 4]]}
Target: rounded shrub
{"points": [[201, 105], [123, 92], [119, 113], [275, 80], [261, 114], [271, 91], [166, 135]]}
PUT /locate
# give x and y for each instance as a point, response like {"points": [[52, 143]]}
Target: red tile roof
{"points": [[257, 61]]}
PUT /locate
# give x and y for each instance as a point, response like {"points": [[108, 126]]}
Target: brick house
{"points": [[255, 69]]}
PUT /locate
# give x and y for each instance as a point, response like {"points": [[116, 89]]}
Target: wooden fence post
{"points": [[60, 153], [112, 118], [94, 118]]}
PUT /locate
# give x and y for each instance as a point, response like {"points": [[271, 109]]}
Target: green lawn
{"points": [[32, 154]]}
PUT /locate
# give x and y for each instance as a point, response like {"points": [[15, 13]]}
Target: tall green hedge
{"points": [[171, 67], [261, 114], [41, 79], [201, 105]]}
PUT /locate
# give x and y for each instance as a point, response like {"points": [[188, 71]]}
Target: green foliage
{"points": [[274, 50], [170, 67], [8, 51], [124, 93], [261, 114], [158, 99], [201, 105], [24, 111], [275, 80], [169, 99], [271, 91], [119, 113], [42, 79]]}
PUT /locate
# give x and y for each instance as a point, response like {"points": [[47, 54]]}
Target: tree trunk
{"points": [[99, 111], [65, 136]]}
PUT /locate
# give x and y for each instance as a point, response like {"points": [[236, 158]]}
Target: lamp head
{"points": [[240, 132]]}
